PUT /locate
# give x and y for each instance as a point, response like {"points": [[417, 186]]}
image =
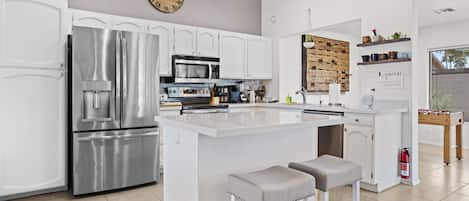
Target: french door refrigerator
{"points": [[114, 86]]}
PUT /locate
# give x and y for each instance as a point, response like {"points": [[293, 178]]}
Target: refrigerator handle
{"points": [[118, 106], [124, 74]]}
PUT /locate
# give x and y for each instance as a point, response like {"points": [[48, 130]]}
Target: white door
{"points": [[184, 40], [128, 24], [32, 33], [91, 19], [165, 33], [358, 148], [207, 43], [259, 58], [232, 55], [33, 137]]}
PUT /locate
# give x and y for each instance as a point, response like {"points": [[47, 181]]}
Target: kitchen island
{"points": [[201, 150]]}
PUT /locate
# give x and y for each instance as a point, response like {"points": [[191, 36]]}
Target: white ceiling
{"points": [[353, 27], [428, 18]]}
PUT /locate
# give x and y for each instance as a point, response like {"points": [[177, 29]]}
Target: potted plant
{"points": [[396, 35], [309, 43], [440, 102]]}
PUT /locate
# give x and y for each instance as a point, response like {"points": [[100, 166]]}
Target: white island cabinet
{"points": [[201, 150], [373, 141]]}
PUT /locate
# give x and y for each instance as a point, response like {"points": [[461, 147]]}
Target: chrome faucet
{"points": [[302, 91]]}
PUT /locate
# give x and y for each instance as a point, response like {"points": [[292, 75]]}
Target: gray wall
{"points": [[231, 15]]}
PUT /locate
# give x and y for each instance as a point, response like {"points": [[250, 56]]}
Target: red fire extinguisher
{"points": [[405, 163]]}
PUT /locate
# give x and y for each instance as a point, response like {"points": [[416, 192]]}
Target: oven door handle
{"points": [[118, 136]]}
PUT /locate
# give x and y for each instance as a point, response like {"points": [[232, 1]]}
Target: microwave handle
{"points": [[210, 68]]}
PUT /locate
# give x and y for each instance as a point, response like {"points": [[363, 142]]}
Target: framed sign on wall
{"points": [[326, 62]]}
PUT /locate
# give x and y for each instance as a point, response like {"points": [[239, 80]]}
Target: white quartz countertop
{"points": [[248, 122], [379, 107]]}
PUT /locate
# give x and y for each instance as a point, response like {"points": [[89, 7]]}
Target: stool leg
{"points": [[356, 191], [324, 196]]}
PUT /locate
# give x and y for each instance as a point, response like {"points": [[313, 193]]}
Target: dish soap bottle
{"points": [[288, 99]]}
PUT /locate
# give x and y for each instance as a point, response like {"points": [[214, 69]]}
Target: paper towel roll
{"points": [[334, 93]]}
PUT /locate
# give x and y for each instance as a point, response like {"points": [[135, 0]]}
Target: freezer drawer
{"points": [[114, 159]]}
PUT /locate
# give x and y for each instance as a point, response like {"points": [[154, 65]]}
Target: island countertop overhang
{"points": [[248, 122]]}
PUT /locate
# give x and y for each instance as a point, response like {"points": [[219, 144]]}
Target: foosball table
{"points": [[446, 119]]}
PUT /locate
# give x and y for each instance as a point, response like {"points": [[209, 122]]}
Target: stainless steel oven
{"points": [[190, 69]]}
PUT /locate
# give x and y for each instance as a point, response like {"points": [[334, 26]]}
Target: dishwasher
{"points": [[330, 138]]}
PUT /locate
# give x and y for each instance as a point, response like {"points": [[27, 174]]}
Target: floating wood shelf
{"points": [[384, 61], [383, 42]]}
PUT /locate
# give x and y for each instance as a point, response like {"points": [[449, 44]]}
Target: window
{"points": [[449, 80]]}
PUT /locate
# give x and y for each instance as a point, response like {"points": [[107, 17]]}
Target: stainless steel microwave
{"points": [[190, 69]]}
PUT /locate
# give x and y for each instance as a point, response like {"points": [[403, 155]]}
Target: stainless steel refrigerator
{"points": [[114, 98]]}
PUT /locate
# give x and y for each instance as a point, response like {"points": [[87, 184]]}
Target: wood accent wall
{"points": [[327, 62]]}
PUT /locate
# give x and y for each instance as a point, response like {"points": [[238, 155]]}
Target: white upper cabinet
{"points": [[232, 55], [185, 40], [358, 148], [207, 43], [128, 24], [91, 19], [32, 145], [259, 58], [196, 41], [165, 33], [242, 56], [25, 40]]}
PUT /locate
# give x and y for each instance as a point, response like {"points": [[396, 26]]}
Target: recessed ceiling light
{"points": [[444, 10]]}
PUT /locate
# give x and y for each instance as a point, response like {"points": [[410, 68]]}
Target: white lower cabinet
{"points": [[358, 147], [33, 137], [373, 141], [171, 112]]}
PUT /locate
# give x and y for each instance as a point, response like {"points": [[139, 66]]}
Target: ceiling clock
{"points": [[167, 6]]}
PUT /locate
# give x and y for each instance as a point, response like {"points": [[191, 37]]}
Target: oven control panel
{"points": [[188, 92]]}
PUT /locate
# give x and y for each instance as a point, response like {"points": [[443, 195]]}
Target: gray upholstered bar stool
{"points": [[272, 184], [331, 172]]}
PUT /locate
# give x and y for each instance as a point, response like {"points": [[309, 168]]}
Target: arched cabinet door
{"points": [[207, 43], [358, 147], [165, 33], [128, 24], [32, 33], [184, 40], [90, 19], [33, 137]]}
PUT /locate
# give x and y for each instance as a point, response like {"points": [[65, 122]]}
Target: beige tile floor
{"points": [[438, 182]]}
